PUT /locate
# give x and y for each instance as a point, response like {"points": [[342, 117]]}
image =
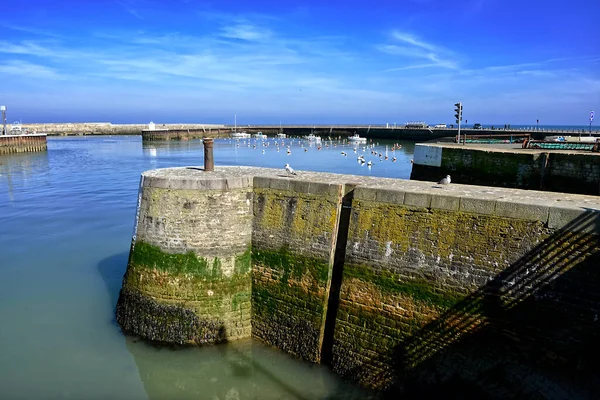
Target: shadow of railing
{"points": [[534, 324]]}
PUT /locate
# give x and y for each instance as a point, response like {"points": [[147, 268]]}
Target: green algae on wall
{"points": [[185, 285], [293, 243], [150, 256]]}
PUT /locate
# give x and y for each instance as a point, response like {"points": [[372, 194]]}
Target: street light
{"points": [[537, 124], [3, 109]]}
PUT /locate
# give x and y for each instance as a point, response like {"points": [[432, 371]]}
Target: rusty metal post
{"points": [[209, 161]]}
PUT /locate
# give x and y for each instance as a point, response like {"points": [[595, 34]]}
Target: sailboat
{"points": [[281, 135], [236, 134]]}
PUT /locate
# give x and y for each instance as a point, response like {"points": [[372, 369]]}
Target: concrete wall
{"points": [[22, 143], [188, 278], [558, 171], [402, 286]]}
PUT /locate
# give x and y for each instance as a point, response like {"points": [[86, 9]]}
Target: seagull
{"points": [[445, 181], [289, 170]]}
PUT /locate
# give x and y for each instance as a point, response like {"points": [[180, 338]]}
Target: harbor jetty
{"points": [[402, 286], [158, 131]]}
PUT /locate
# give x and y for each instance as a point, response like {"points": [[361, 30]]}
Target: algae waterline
{"points": [[421, 287]]}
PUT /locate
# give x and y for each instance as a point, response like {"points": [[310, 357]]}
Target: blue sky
{"points": [[371, 62]]}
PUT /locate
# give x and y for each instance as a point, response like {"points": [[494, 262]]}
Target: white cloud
{"points": [[412, 48], [29, 70], [244, 32]]}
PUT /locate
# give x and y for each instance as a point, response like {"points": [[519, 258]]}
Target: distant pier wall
{"points": [[22, 143], [558, 171], [183, 134], [402, 286]]}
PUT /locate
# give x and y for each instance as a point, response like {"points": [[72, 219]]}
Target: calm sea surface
{"points": [[66, 221]]}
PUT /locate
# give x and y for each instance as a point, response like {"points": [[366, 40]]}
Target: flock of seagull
{"points": [[305, 145], [357, 148]]}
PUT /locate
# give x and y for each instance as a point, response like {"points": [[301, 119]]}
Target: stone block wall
{"points": [[293, 243], [188, 280], [486, 291]]}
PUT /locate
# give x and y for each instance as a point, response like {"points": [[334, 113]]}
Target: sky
{"points": [[309, 62]]}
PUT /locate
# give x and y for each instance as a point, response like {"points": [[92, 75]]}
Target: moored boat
{"points": [[357, 139]]}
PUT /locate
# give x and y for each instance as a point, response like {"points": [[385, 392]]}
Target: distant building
{"points": [[151, 126]]}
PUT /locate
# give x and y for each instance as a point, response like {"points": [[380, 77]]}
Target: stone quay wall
{"points": [[402, 286], [557, 171], [188, 278], [10, 144], [293, 243]]}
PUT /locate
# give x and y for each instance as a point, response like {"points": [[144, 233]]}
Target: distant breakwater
{"points": [[176, 131], [106, 128]]}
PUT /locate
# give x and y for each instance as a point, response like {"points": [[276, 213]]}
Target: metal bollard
{"points": [[209, 161]]}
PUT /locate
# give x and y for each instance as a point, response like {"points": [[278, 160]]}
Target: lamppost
{"points": [[537, 124], [3, 109]]}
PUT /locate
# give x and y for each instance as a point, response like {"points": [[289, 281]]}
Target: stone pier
{"points": [[407, 287]]}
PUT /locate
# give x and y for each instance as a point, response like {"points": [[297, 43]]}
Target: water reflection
{"points": [[239, 370], [22, 167]]}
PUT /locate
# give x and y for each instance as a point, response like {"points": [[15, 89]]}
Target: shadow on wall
{"points": [[531, 332]]}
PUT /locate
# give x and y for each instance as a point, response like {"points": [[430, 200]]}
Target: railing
{"points": [[494, 138], [562, 145]]}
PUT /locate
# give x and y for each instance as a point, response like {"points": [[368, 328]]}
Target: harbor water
{"points": [[66, 221]]}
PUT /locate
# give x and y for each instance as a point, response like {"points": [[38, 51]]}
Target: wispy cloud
{"points": [[29, 70], [130, 7], [413, 48], [245, 31], [30, 30]]}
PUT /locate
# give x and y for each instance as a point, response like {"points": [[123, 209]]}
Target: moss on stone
{"points": [[293, 266], [303, 214], [243, 263], [420, 290], [150, 256]]}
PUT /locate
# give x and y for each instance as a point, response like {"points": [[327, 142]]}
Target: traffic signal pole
{"points": [[458, 116]]}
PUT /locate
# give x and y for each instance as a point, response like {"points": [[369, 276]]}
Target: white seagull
{"points": [[289, 170], [445, 181]]}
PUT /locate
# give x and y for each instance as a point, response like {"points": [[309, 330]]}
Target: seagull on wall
{"points": [[445, 181], [289, 170]]}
